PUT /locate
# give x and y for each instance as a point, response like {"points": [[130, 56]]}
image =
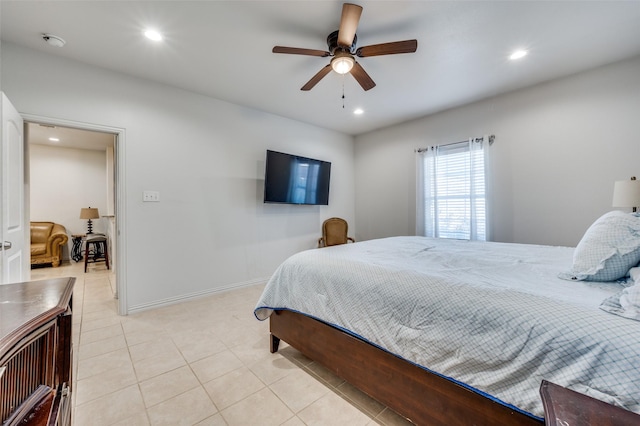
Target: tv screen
{"points": [[292, 179]]}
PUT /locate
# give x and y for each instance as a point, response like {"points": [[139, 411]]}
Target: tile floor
{"points": [[202, 362]]}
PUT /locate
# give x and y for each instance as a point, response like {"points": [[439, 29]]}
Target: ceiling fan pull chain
{"points": [[342, 91]]}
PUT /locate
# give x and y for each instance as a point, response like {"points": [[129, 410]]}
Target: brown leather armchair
{"points": [[47, 241]]}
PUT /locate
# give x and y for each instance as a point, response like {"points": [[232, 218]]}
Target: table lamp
{"points": [[626, 193], [89, 213]]}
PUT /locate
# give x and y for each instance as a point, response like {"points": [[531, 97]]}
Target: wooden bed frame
{"points": [[422, 397]]}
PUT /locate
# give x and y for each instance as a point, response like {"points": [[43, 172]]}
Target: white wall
{"points": [[64, 180], [210, 231], [559, 148]]}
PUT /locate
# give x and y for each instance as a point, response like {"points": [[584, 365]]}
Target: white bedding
{"points": [[491, 316]]}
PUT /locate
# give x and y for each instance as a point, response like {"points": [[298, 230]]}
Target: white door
{"points": [[14, 262]]}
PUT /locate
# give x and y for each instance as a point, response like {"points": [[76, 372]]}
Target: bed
{"points": [[457, 332]]}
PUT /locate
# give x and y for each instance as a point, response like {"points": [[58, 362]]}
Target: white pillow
{"points": [[608, 250], [630, 300]]}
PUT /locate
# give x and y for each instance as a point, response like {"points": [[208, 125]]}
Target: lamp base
{"points": [[89, 227]]}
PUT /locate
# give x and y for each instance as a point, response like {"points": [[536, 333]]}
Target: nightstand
{"points": [[564, 407]]}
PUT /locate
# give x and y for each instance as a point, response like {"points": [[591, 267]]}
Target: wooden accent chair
{"points": [[334, 232], [47, 241]]}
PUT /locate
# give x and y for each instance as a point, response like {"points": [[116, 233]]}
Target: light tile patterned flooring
{"points": [[202, 362]]}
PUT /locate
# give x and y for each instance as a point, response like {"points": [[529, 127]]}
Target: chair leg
{"points": [[106, 254], [86, 256]]}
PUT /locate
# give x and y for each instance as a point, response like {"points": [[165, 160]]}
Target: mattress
{"points": [[493, 317]]}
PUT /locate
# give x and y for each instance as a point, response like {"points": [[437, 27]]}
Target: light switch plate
{"points": [[150, 196]]}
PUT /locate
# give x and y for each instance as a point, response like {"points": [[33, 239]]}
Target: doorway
{"points": [[72, 166]]}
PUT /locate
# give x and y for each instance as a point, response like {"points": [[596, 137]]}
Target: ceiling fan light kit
{"points": [[342, 46], [342, 63]]}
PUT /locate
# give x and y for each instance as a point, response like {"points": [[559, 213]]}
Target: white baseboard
{"points": [[193, 296]]}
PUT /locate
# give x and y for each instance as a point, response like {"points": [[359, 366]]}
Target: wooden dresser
{"points": [[36, 352]]}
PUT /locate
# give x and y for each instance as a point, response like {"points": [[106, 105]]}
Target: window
{"points": [[304, 182], [452, 191]]}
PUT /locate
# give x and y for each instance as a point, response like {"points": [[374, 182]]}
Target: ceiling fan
{"points": [[342, 46]]}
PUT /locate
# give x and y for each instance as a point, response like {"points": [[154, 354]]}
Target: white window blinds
{"points": [[452, 191]]}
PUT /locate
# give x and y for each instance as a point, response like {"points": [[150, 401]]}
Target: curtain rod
{"points": [[491, 139]]}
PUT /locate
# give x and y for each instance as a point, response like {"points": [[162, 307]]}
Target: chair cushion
{"points": [[38, 248], [96, 239]]}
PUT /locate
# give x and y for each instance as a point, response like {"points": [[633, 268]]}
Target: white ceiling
{"points": [[40, 134], [223, 49]]}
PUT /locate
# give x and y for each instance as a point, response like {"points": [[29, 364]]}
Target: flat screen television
{"points": [[291, 179]]}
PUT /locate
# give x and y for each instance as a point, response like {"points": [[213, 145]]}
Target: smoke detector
{"points": [[54, 40]]}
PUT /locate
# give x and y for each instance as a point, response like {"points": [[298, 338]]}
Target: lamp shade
{"points": [[626, 193], [89, 213]]}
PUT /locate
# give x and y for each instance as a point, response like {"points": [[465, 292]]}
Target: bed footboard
{"points": [[422, 397]]}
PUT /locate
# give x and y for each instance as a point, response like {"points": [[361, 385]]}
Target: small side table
{"points": [[565, 407], [76, 249]]}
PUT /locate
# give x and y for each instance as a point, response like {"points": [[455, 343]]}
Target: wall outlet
{"points": [[150, 196]]}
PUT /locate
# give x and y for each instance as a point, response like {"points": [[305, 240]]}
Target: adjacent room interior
{"points": [[71, 170]]}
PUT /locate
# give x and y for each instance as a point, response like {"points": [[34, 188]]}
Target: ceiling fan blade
{"points": [[316, 78], [362, 77], [348, 24], [406, 46], [300, 51]]}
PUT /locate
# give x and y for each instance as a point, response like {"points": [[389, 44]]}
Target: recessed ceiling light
{"points": [[153, 35], [54, 40], [518, 54], [358, 111], [54, 139]]}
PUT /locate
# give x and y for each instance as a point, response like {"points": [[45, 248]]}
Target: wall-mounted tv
{"points": [[292, 179]]}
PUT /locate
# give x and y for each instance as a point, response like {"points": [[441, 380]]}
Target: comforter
{"points": [[492, 317]]}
